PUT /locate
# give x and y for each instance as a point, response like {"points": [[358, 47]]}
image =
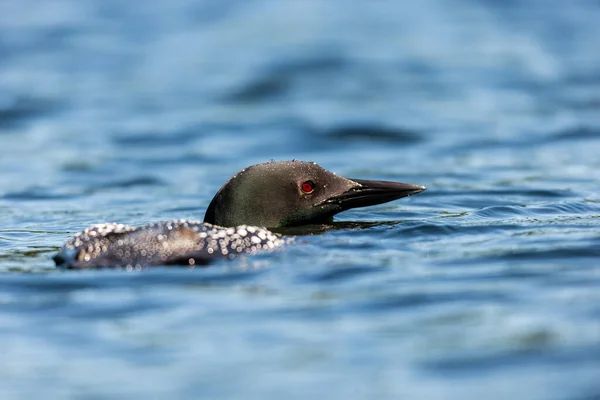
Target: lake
{"points": [[487, 285]]}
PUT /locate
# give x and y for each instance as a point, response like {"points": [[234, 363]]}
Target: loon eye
{"points": [[308, 187]]}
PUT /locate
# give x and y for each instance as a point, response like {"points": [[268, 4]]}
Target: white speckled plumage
{"points": [[179, 242]]}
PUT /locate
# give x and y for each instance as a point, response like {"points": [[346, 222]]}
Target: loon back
{"points": [[163, 243], [274, 194]]}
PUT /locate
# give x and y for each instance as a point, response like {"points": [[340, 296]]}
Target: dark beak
{"points": [[369, 193]]}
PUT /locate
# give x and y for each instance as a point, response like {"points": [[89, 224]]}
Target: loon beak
{"points": [[369, 193]]}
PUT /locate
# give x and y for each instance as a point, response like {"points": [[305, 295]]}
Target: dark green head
{"points": [[291, 193]]}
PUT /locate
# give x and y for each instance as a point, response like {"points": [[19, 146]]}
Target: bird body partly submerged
{"points": [[274, 194], [182, 242]]}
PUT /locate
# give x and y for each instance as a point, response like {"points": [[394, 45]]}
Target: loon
{"points": [[269, 195]]}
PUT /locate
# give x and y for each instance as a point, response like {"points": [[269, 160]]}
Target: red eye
{"points": [[308, 187]]}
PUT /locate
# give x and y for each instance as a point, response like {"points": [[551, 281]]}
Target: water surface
{"points": [[485, 286]]}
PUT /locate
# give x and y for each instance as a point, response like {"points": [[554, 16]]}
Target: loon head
{"points": [[291, 193]]}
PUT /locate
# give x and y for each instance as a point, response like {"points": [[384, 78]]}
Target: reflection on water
{"points": [[485, 286]]}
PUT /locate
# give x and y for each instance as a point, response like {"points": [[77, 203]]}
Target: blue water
{"points": [[485, 286]]}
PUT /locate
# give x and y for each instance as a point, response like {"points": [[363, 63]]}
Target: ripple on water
{"points": [[142, 139], [58, 194], [372, 133], [39, 194], [579, 133], [139, 181], [541, 211], [279, 79], [23, 110]]}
